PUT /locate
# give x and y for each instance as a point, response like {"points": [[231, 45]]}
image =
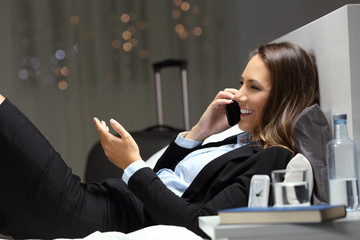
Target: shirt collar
{"points": [[244, 138]]}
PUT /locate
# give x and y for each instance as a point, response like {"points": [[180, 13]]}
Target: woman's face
{"points": [[255, 87]]}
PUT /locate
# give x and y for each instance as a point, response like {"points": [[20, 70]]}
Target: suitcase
{"points": [[149, 140]]}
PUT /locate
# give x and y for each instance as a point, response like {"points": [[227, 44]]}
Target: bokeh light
{"points": [[177, 2], [197, 31], [23, 74], [144, 54], [127, 47], [133, 42], [185, 6], [74, 20], [123, 33], [116, 44], [60, 54], [63, 85], [125, 18], [90, 35], [143, 25], [126, 35], [176, 14], [65, 71]]}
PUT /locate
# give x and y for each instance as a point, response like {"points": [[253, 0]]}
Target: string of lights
{"points": [[124, 40]]}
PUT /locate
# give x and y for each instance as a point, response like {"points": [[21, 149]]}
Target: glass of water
{"points": [[290, 187]]}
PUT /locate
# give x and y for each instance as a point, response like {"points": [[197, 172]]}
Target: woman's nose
{"points": [[240, 96]]}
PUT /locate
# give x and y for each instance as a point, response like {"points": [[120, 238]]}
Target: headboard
{"points": [[334, 40]]}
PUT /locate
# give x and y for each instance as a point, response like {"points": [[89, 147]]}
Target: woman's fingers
{"points": [[231, 90], [119, 128], [101, 125], [121, 151], [98, 124], [227, 93]]}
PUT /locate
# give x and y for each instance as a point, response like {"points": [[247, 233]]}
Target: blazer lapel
{"points": [[210, 169]]}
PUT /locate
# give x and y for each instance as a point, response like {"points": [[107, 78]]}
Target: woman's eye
{"points": [[255, 87]]}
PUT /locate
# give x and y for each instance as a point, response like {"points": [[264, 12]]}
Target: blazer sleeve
{"points": [[164, 207]]}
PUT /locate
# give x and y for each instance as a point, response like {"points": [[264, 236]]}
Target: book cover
{"points": [[309, 214]]}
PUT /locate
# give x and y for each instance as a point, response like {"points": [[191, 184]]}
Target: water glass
{"points": [[290, 187]]}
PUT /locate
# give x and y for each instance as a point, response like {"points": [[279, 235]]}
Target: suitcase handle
{"points": [[162, 128], [183, 69], [170, 63]]}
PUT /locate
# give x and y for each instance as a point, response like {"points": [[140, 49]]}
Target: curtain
{"points": [[66, 61]]}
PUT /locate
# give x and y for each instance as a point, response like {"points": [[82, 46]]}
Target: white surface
{"points": [[158, 232], [335, 41], [345, 228]]}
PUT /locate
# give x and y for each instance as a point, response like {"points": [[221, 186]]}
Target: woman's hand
{"points": [[2, 98], [121, 151], [213, 119]]}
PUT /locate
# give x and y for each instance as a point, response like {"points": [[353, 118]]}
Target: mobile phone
{"points": [[232, 113]]}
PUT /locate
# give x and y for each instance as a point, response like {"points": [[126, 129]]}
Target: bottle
{"points": [[341, 158]]}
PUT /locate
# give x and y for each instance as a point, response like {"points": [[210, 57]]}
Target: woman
{"points": [[44, 200]]}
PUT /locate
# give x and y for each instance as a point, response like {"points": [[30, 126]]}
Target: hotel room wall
{"points": [[65, 117]]}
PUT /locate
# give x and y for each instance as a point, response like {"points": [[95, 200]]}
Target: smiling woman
{"points": [[253, 95], [191, 179]]}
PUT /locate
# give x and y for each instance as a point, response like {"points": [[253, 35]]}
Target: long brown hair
{"points": [[295, 86]]}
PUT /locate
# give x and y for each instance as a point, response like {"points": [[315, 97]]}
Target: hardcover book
{"points": [[309, 214]]}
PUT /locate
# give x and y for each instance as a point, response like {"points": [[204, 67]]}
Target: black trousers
{"points": [[41, 198]]}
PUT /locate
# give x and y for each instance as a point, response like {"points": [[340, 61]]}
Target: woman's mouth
{"points": [[246, 112]]}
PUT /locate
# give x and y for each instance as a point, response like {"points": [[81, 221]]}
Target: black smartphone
{"points": [[232, 113]]}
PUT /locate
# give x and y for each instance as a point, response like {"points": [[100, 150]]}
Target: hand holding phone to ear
{"points": [[232, 113], [213, 119]]}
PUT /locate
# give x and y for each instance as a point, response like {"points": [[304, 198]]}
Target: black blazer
{"points": [[223, 183]]}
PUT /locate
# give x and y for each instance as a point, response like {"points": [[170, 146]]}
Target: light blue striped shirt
{"points": [[188, 168]]}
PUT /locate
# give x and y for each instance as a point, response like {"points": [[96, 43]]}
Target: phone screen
{"points": [[232, 113]]}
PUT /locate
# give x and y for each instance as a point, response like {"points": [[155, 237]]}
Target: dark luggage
{"points": [[151, 139]]}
